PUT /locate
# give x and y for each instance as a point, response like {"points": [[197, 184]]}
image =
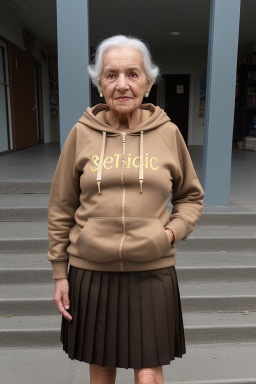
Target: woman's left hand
{"points": [[170, 234]]}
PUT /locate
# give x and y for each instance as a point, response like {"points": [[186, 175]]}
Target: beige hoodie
{"points": [[107, 208]]}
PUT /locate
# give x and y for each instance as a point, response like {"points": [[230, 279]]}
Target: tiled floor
{"points": [[39, 162]]}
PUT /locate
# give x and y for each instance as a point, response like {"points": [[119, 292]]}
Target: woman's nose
{"points": [[122, 84]]}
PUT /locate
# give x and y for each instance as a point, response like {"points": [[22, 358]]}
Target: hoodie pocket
{"points": [[145, 239], [100, 238]]}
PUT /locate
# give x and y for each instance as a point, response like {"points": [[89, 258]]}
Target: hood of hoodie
{"points": [[90, 119], [93, 118]]}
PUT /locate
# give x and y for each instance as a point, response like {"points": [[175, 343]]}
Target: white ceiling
{"points": [[151, 20]]}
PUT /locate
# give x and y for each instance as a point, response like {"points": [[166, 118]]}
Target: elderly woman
{"points": [[108, 219]]}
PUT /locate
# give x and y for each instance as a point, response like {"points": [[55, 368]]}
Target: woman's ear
{"points": [[100, 89], [150, 83], [99, 86]]}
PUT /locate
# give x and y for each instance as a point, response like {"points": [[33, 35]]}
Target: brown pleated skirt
{"points": [[124, 319]]}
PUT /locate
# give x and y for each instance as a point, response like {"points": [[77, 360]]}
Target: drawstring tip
{"points": [[141, 181], [98, 183]]}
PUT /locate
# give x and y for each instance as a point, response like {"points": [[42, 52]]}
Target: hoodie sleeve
{"points": [[187, 195], [63, 202]]}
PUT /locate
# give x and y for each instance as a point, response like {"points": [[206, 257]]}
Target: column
{"points": [[220, 100], [73, 58]]}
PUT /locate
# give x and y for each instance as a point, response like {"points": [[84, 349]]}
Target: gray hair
{"points": [[95, 70]]}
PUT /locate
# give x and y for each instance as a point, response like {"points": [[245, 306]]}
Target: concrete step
{"points": [[218, 296], [33, 238], [230, 215], [33, 207], [220, 327], [33, 299], [216, 266], [190, 266], [37, 299], [225, 215], [25, 186], [230, 219], [23, 207], [202, 364], [25, 269], [200, 328], [23, 237], [219, 238]]}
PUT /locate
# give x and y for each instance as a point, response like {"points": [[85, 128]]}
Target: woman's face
{"points": [[124, 81]]}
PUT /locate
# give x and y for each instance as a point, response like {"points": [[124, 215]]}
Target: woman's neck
{"points": [[124, 122]]}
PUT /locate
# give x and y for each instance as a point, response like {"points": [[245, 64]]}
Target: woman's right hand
{"points": [[61, 297]]}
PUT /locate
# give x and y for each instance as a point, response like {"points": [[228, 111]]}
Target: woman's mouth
{"points": [[123, 98]]}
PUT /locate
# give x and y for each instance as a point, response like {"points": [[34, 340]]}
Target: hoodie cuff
{"points": [[179, 228], [60, 269]]}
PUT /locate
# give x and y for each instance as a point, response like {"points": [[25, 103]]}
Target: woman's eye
{"points": [[111, 76], [133, 74]]}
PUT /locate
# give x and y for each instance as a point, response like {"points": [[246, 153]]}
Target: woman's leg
{"points": [[149, 375], [102, 375]]}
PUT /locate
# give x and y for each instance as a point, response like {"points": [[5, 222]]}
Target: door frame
{"points": [[4, 45], [161, 96], [39, 100]]}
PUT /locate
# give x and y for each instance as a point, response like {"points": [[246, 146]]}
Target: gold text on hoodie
{"points": [[115, 161]]}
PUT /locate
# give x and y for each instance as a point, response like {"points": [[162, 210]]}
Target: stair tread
{"points": [[27, 291], [191, 289], [25, 200], [223, 232], [219, 319], [42, 322], [215, 259], [23, 230], [194, 320], [25, 261], [183, 260], [218, 289], [27, 230]]}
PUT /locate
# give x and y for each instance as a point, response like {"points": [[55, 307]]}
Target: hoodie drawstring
{"points": [[141, 161], [101, 159], [99, 174]]}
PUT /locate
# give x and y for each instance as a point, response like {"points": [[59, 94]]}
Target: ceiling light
{"points": [[174, 33]]}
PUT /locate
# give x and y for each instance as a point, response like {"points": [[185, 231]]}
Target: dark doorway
{"points": [[177, 101], [23, 98]]}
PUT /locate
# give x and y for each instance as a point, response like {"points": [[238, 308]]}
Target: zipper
{"points": [[123, 201]]}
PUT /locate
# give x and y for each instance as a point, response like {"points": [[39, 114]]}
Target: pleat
{"points": [[99, 336], [63, 325], [91, 311], [177, 308], [123, 323], [135, 330], [74, 287], [160, 316], [111, 321], [82, 291], [169, 297], [148, 337]]}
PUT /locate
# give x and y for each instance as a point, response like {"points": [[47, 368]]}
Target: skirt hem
{"points": [[118, 366]]}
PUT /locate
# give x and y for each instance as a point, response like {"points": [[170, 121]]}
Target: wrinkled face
{"points": [[124, 81]]}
